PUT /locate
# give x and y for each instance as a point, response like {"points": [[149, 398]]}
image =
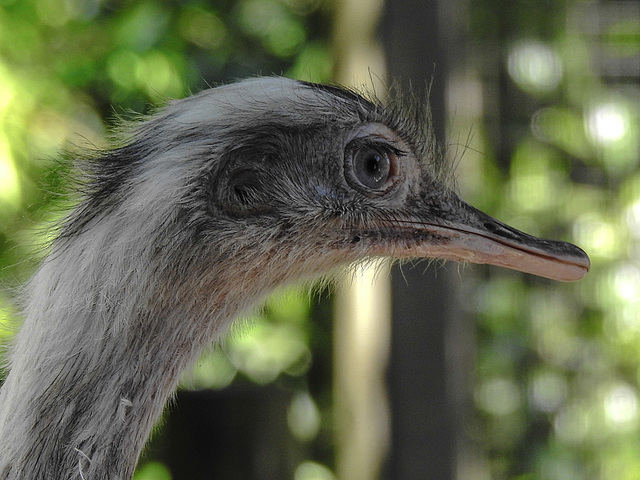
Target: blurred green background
{"points": [[545, 127]]}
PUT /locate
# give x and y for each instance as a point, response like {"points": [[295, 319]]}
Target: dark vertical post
{"points": [[426, 363]]}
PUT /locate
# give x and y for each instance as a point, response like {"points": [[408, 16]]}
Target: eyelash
{"points": [[376, 143]]}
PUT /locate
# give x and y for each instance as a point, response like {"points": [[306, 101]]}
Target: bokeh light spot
{"points": [[313, 471], [498, 396], [303, 417], [607, 123], [153, 471], [534, 66], [621, 406]]}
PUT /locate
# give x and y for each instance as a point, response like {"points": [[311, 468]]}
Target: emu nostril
{"points": [[499, 230]]}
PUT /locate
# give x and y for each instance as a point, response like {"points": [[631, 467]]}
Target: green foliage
{"points": [[152, 471], [558, 366]]}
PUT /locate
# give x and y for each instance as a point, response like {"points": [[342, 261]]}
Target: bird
{"points": [[200, 212]]}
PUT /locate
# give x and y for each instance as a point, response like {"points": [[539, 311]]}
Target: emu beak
{"points": [[464, 233]]}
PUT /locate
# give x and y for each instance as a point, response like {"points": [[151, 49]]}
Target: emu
{"points": [[210, 205]]}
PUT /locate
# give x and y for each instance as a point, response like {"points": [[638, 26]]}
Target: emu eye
{"points": [[373, 167]]}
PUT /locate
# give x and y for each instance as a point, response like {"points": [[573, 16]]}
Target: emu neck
{"points": [[96, 360]]}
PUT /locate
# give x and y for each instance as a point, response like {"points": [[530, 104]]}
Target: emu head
{"points": [[210, 205], [287, 179]]}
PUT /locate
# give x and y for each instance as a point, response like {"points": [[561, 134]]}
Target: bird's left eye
{"points": [[373, 167]]}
